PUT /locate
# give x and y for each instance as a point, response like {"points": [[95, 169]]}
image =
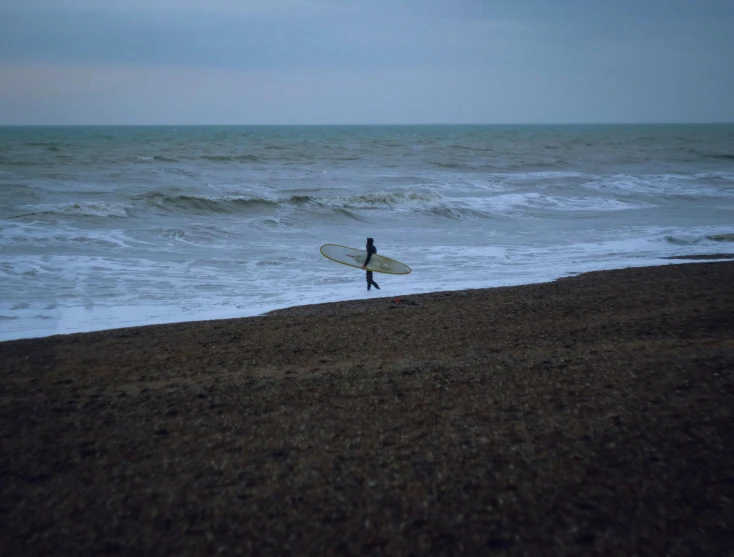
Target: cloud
{"points": [[226, 35], [323, 34], [330, 61], [109, 94]]}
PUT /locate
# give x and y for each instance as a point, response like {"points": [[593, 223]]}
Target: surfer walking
{"points": [[371, 249]]}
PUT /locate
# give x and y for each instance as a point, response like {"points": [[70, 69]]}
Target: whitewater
{"points": [[106, 227]]}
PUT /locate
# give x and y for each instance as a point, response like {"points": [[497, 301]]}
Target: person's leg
{"points": [[369, 279], [375, 285]]}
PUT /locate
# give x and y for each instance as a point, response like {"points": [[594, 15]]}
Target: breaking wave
{"points": [[204, 204], [693, 239], [80, 209]]}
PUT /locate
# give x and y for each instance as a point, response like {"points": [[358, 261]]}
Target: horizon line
{"points": [[681, 123]]}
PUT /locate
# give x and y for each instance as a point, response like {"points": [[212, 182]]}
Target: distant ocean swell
{"points": [[163, 204], [412, 201], [456, 159]]}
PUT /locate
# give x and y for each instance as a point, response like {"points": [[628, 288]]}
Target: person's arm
{"points": [[369, 256]]}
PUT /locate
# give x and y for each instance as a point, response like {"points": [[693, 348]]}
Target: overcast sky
{"points": [[365, 62]]}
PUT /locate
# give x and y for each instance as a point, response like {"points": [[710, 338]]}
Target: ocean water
{"points": [[105, 227]]}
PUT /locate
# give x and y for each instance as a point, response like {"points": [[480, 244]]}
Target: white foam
{"points": [[660, 185], [381, 199], [200, 291], [517, 204]]}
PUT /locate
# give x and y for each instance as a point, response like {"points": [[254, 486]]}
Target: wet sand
{"points": [[591, 415]]}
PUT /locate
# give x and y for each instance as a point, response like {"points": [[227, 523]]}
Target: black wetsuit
{"points": [[370, 283]]}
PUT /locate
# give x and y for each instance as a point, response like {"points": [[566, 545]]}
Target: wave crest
{"points": [[206, 204], [80, 209], [231, 158]]}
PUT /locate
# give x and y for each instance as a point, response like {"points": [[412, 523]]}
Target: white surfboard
{"points": [[355, 258]]}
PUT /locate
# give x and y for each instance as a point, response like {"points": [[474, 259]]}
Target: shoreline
{"points": [[680, 259], [587, 415]]}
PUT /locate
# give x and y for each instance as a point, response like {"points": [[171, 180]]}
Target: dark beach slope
{"points": [[588, 415]]}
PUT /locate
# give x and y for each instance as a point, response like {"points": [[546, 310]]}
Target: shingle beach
{"points": [[590, 415]]}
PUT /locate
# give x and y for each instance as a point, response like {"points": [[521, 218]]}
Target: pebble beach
{"points": [[586, 416]]}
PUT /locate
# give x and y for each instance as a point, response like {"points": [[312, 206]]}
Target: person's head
{"points": [[370, 241]]}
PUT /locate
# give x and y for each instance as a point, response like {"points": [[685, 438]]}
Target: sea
{"points": [[108, 227]]}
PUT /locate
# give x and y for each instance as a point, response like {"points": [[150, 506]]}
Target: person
{"points": [[370, 250]]}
